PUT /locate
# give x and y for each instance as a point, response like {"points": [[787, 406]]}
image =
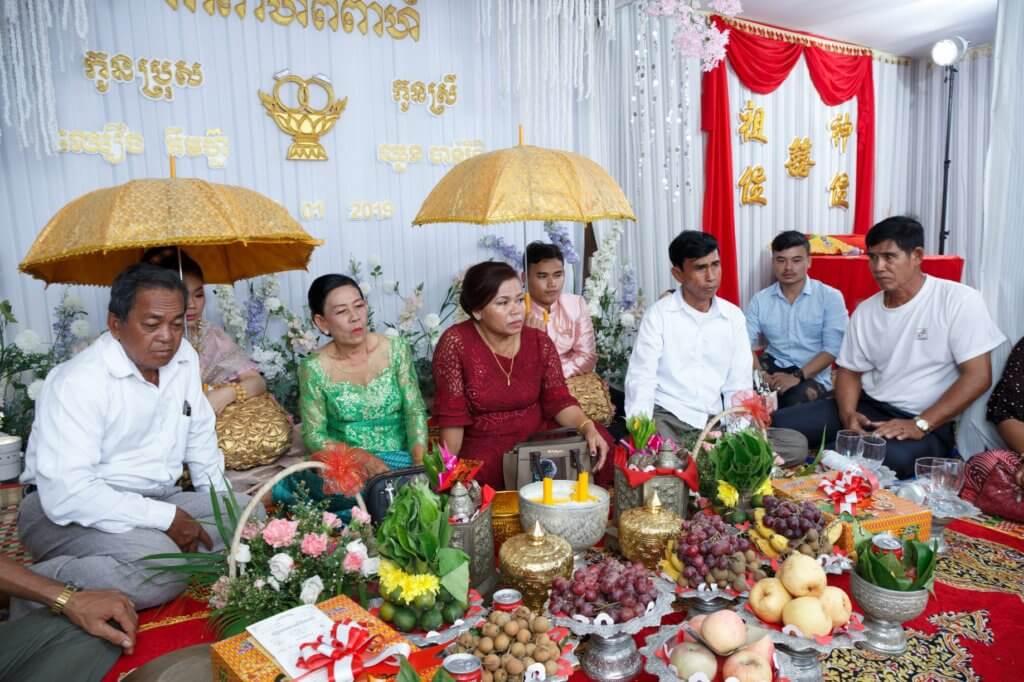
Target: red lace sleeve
{"points": [[554, 394], [450, 406]]}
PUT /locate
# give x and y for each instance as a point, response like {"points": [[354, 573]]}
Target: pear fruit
{"points": [[768, 597], [762, 646], [808, 615], [837, 606], [802, 576], [724, 631], [691, 658], [747, 666]]}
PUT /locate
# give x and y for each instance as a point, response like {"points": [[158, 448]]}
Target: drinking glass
{"points": [[849, 443], [873, 451], [950, 478], [927, 470]]}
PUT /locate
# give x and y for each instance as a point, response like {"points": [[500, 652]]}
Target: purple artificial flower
{"points": [[629, 288], [559, 235], [254, 317], [505, 251]]}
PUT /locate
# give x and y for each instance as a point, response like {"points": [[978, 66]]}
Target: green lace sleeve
{"points": [[312, 406], [413, 408]]}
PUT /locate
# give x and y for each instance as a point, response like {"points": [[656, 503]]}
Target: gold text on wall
{"points": [[441, 95], [159, 76]]}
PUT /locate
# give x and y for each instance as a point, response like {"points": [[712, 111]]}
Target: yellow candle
{"points": [[583, 487], [549, 497]]}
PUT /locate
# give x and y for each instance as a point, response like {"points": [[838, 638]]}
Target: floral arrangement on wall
{"points": [[695, 37]]}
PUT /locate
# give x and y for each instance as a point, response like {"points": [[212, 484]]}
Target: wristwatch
{"points": [[922, 423], [62, 600]]}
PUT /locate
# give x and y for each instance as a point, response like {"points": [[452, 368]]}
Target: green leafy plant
{"points": [[415, 537], [744, 460], [915, 570], [641, 429]]}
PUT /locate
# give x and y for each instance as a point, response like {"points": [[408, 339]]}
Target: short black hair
{"points": [[690, 244], [538, 251], [481, 284], [133, 279], [790, 239], [167, 257], [323, 285], [906, 232]]}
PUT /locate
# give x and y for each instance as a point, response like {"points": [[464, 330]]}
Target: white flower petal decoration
{"points": [[281, 566], [311, 589], [373, 262], [80, 329], [34, 389], [243, 554], [274, 304], [28, 341], [391, 332], [432, 321]]}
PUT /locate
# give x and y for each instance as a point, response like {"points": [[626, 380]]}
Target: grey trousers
{"points": [[42, 646], [94, 559], [789, 444]]}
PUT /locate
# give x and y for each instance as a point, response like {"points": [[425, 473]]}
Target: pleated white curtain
{"points": [[1001, 249]]}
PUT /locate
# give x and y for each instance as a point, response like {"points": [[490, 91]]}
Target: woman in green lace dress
{"points": [[360, 389]]}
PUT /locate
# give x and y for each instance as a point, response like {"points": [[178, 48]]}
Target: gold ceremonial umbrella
{"points": [[525, 183], [232, 232]]}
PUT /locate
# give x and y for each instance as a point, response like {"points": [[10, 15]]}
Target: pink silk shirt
{"points": [[570, 328]]}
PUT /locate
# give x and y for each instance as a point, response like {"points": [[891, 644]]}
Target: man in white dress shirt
{"points": [[113, 427], [692, 351]]}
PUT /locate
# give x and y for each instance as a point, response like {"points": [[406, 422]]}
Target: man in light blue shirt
{"points": [[801, 322]]}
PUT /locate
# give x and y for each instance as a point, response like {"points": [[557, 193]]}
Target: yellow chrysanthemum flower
{"points": [[727, 494], [409, 586], [766, 488]]}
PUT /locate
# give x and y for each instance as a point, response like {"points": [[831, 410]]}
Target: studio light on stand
{"points": [[947, 54]]}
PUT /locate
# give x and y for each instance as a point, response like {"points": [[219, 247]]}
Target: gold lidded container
{"points": [[531, 561], [505, 518], [645, 531]]}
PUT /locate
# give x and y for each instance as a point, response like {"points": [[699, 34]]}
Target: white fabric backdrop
{"points": [[1001, 278], [240, 57]]}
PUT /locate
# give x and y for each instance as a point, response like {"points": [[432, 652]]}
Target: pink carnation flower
{"points": [[353, 562], [251, 530], [280, 533], [360, 516], [314, 544], [331, 520]]}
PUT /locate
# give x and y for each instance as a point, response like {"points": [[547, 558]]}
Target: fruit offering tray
{"points": [[474, 616], [656, 652], [842, 638], [660, 594]]}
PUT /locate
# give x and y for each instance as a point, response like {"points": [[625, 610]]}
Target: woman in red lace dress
{"points": [[497, 381]]}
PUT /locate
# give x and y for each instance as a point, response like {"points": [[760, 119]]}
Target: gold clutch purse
{"points": [[592, 394], [253, 432]]}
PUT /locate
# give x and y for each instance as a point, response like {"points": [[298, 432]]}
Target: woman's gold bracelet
{"points": [[579, 429]]}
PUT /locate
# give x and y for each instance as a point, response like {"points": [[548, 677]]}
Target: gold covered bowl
{"points": [[645, 531], [530, 562]]}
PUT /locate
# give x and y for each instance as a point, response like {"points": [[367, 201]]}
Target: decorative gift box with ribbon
{"points": [[358, 643], [881, 511]]}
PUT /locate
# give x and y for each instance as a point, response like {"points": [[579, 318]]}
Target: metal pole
{"points": [[943, 232]]}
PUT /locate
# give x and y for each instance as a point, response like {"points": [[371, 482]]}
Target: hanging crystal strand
{"points": [[5, 93], [18, 64], [48, 111], [81, 22], [687, 134], [37, 76]]}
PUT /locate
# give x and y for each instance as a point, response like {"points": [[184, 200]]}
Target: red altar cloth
{"points": [[851, 275]]}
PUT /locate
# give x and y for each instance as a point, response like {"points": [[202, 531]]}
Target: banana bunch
{"points": [[774, 545], [670, 562]]}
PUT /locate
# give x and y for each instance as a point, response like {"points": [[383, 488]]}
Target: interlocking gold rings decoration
{"points": [[305, 123]]}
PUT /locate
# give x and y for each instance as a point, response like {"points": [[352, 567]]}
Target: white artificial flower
{"points": [[595, 309], [259, 583], [34, 389], [366, 286], [273, 304], [311, 589], [281, 566], [627, 320], [71, 301], [370, 567], [28, 341], [358, 548], [272, 581], [80, 329], [243, 555], [391, 332], [390, 286], [373, 262], [432, 321]]}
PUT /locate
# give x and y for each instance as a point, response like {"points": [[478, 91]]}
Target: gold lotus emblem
{"points": [[305, 123]]}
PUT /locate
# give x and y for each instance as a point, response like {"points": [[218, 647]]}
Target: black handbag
{"points": [[380, 490], [558, 454]]}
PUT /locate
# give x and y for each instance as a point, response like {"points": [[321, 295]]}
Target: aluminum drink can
{"points": [[463, 667], [507, 600], [883, 543]]}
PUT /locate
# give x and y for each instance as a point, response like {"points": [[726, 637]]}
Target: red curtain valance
{"points": [[762, 64]]}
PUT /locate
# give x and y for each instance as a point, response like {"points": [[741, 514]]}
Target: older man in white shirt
{"points": [[692, 351], [113, 428]]}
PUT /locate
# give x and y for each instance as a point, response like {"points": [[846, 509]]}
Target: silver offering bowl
{"points": [[885, 612], [581, 524]]}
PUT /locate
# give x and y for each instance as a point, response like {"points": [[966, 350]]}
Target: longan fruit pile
{"points": [[508, 643]]}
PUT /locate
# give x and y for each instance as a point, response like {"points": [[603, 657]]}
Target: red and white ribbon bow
{"points": [[847, 490], [342, 654]]}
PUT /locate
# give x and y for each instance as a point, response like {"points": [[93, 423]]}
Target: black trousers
{"points": [[804, 392], [811, 418]]}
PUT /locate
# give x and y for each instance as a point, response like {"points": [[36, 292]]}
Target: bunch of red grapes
{"points": [[621, 590], [712, 554], [792, 519]]}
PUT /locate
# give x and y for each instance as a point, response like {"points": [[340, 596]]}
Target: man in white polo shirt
{"points": [[915, 356], [692, 352], [113, 427]]}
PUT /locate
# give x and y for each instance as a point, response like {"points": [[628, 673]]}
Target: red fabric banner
{"points": [[762, 64]]}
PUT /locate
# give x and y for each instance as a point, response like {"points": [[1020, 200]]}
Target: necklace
{"points": [[512, 362]]}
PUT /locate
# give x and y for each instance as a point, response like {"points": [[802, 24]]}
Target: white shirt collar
{"points": [[120, 366], [680, 304]]}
